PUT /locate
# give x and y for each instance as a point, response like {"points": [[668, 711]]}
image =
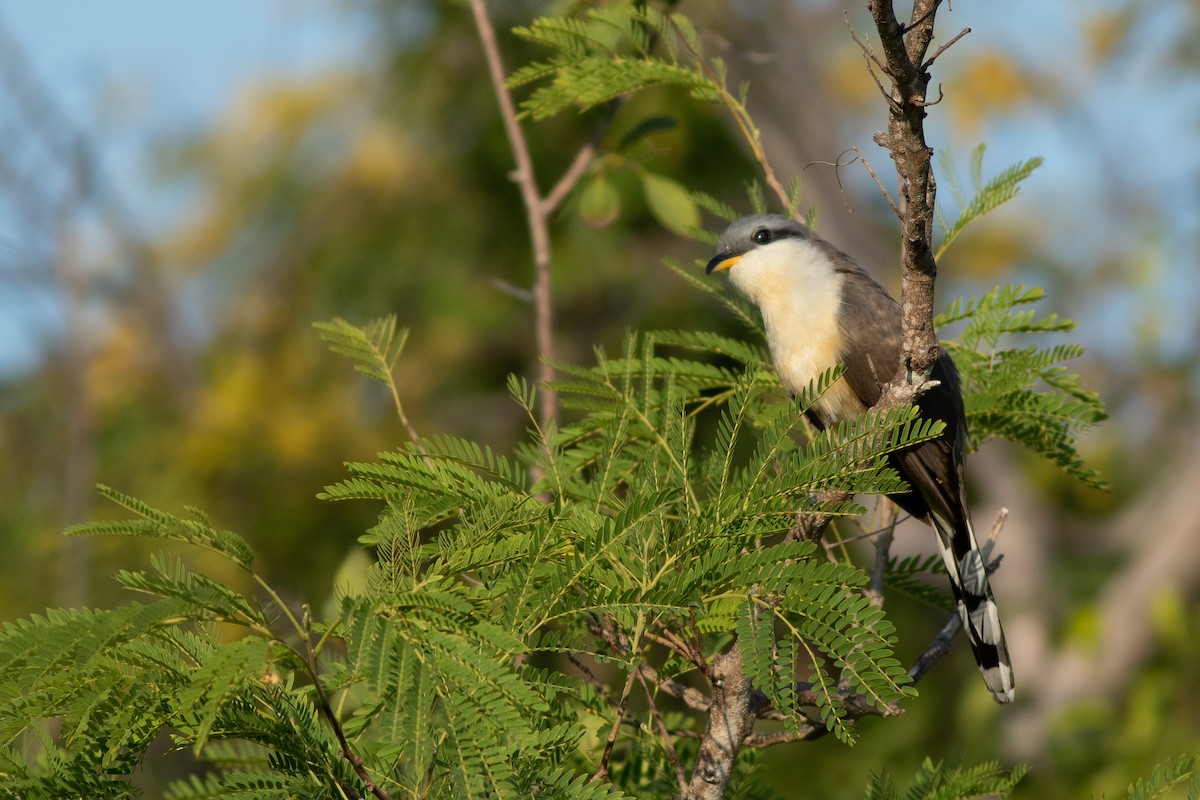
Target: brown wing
{"points": [[870, 321]]}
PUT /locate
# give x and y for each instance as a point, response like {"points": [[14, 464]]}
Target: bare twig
{"points": [[937, 53], [883, 189], [941, 643], [601, 772], [867, 51], [692, 698], [539, 234], [675, 644], [515, 292], [537, 209], [883, 547], [937, 648], [998, 525], [668, 745], [581, 162], [904, 49]]}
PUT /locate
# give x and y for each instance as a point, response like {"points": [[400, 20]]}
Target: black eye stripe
{"points": [[768, 235]]}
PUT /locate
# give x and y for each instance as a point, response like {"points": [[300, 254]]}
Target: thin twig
{"points": [[581, 162], [535, 210], [673, 643], [602, 770], [691, 697], [668, 745], [941, 643], [998, 525], [936, 53], [323, 704], [883, 547], [602, 690], [516, 292], [867, 51], [937, 648], [538, 209], [697, 643], [883, 189]]}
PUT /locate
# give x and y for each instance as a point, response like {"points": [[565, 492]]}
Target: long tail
{"points": [[976, 605]]}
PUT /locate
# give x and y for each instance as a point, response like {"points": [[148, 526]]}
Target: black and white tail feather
{"points": [[966, 566]]}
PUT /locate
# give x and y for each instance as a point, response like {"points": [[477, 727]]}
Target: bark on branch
{"points": [[906, 68], [731, 718]]}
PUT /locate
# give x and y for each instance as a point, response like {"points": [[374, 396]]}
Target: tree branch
{"points": [[538, 209], [730, 721], [904, 49], [535, 209], [883, 547], [668, 745], [810, 527]]}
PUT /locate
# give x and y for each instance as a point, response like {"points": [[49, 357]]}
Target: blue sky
{"points": [[1125, 139], [130, 72]]}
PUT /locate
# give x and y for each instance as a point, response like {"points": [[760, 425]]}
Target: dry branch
{"points": [[906, 67]]}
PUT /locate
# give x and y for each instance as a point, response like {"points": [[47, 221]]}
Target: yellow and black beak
{"points": [[721, 262]]}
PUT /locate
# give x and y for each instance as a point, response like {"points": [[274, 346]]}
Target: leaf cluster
{"points": [[608, 52], [988, 197], [1181, 773], [513, 596], [85, 693], [1023, 394], [446, 678], [935, 781]]}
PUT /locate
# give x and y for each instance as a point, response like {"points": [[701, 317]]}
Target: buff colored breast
{"points": [[799, 297]]}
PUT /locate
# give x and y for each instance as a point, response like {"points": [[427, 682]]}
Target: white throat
{"points": [[796, 288]]}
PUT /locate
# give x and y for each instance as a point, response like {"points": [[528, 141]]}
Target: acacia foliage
{"points": [[511, 598], [530, 620]]}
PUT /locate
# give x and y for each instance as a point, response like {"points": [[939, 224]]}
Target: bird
{"points": [[821, 309]]}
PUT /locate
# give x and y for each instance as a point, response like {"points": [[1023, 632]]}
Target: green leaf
{"points": [[374, 348], [997, 192], [1182, 771], [158, 524], [671, 203], [599, 203], [935, 781]]}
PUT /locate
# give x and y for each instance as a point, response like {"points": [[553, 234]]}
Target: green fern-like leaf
{"points": [[162, 525], [171, 579], [1024, 395], [221, 679], [607, 52], [998, 191], [934, 781], [1183, 771], [374, 348]]}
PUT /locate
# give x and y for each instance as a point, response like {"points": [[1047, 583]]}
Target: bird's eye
{"points": [[761, 236]]}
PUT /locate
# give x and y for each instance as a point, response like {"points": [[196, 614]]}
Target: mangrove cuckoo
{"points": [[821, 309]]}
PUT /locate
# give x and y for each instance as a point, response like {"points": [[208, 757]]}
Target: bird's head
{"points": [[765, 254]]}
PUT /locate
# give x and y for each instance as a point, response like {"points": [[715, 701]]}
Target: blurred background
{"points": [[185, 189]]}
